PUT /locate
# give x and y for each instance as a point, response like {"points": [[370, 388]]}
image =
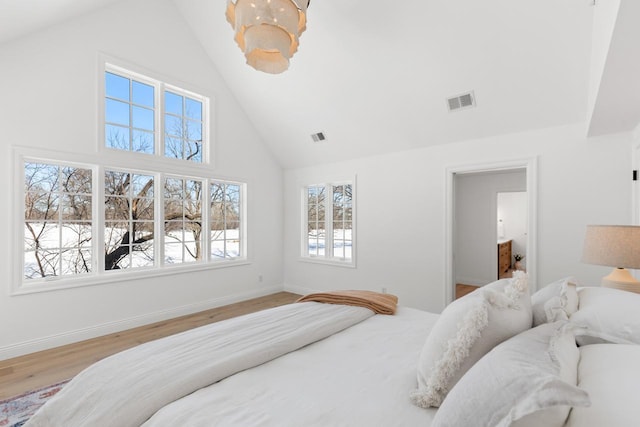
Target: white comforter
{"points": [[359, 377], [129, 387]]}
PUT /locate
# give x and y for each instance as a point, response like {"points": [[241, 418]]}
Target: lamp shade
{"points": [[612, 245], [267, 31]]}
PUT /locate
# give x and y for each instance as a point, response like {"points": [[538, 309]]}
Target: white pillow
{"points": [[610, 374], [527, 381], [556, 301], [465, 331], [607, 315]]}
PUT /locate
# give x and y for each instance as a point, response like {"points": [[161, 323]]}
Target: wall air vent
{"points": [[318, 137], [461, 102]]}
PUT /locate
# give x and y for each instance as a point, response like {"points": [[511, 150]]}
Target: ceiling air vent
{"points": [[461, 102], [318, 137]]}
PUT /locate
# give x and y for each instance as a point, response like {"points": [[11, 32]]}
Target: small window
{"points": [[182, 127], [144, 115], [329, 222], [57, 220], [129, 114]]}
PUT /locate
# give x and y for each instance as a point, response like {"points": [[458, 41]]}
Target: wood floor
{"points": [[44, 368], [462, 290]]}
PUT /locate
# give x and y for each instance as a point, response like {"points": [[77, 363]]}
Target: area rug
{"points": [[14, 412]]}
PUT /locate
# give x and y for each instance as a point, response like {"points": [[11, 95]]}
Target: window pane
{"points": [[116, 137], [194, 109], [116, 86], [41, 177], [116, 183], [75, 180], [76, 207], [173, 103], [173, 253], [142, 94], [142, 142], [173, 125], [117, 112], [193, 130], [193, 152], [143, 118], [142, 185], [173, 147]]}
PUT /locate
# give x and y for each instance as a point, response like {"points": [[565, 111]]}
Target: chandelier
{"points": [[267, 31]]}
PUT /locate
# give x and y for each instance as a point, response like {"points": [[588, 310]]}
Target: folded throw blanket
{"points": [[379, 303]]}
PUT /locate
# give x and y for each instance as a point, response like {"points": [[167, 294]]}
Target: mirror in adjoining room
{"points": [[512, 232]]}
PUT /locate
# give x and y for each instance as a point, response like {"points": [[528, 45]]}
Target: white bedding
{"points": [[129, 387], [360, 376]]}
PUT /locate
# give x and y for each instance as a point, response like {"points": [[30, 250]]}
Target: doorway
{"points": [[472, 226]]}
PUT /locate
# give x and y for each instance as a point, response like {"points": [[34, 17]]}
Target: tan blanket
{"points": [[379, 303]]}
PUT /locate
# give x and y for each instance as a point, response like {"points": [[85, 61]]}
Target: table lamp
{"points": [[614, 246]]}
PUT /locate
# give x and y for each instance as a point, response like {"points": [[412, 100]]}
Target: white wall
{"points": [[604, 21], [48, 99], [580, 181], [475, 242]]}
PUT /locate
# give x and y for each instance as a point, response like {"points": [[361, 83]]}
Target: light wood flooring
{"points": [[25, 373], [462, 290]]}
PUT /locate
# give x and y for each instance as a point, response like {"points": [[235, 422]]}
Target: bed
{"points": [[334, 365]]}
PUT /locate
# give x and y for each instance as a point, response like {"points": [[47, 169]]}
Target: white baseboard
{"points": [[69, 337], [300, 290]]}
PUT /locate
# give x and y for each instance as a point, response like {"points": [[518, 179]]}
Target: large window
{"points": [[76, 226], [146, 205], [136, 107], [329, 222]]}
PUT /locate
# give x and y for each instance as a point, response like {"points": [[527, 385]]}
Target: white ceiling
{"points": [[374, 76]]}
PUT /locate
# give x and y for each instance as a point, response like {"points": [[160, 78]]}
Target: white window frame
{"points": [[328, 257], [98, 165], [160, 84]]}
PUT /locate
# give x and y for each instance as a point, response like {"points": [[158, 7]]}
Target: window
{"points": [[182, 220], [226, 214], [57, 220], [129, 114], [128, 220], [329, 222], [132, 117], [183, 127], [77, 226]]}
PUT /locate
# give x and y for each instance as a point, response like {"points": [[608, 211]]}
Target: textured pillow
{"points": [[556, 301], [466, 330], [527, 381], [607, 315]]}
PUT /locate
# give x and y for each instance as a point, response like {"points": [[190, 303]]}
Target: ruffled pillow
{"points": [[466, 330], [527, 381], [556, 301]]}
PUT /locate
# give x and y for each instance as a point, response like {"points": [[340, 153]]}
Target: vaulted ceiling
{"points": [[374, 76]]}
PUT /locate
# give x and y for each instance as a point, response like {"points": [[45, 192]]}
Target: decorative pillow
{"points": [[556, 301], [527, 381], [610, 374], [466, 330], [607, 315]]}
